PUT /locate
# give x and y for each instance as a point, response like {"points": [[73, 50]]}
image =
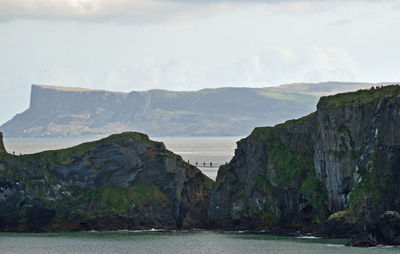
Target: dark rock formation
{"points": [[346, 156], [361, 239], [388, 231], [125, 181], [340, 225], [270, 182], [2, 148], [61, 111]]}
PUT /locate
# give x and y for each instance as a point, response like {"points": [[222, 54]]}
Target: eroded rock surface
{"points": [[125, 181], [2, 148], [344, 157]]}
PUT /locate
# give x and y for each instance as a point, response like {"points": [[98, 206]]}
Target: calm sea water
{"points": [[217, 150], [207, 242]]}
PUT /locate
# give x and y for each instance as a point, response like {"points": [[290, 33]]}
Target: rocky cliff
{"points": [[124, 181], [72, 112], [2, 148], [336, 171], [271, 181]]}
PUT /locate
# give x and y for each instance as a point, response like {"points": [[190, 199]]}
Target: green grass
{"points": [[370, 192], [287, 164], [361, 96], [263, 185], [264, 133], [208, 182], [294, 169], [312, 188], [121, 200], [293, 97], [65, 155]]}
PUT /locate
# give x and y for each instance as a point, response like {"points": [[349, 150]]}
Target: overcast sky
{"points": [[126, 45]]}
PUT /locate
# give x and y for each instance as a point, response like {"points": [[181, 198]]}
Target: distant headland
{"points": [[57, 111]]}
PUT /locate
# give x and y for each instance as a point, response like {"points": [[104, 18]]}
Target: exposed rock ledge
{"points": [[125, 181]]}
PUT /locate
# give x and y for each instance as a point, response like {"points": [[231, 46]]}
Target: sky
{"points": [[126, 45]]}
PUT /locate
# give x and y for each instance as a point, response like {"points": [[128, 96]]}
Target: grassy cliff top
{"points": [[265, 132], [64, 155], [360, 97]]}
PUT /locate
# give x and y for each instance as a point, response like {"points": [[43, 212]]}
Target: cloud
{"points": [[396, 6], [175, 74], [141, 11], [277, 65], [135, 11], [341, 22], [270, 67]]}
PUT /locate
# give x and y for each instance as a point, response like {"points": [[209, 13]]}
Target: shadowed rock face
{"points": [[2, 148], [125, 181], [270, 182], [345, 156]]}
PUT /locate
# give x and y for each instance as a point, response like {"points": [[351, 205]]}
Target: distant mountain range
{"points": [[57, 111]]}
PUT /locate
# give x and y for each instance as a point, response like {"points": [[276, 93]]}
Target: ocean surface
{"points": [[203, 150], [217, 150], [194, 242]]}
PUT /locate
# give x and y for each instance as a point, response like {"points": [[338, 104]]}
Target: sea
{"points": [[203, 150], [175, 242]]}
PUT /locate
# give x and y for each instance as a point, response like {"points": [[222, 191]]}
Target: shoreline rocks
{"points": [[362, 239]]}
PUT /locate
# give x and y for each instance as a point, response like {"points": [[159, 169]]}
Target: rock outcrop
{"points": [[361, 240], [2, 148], [344, 157], [124, 181], [270, 182], [388, 228]]}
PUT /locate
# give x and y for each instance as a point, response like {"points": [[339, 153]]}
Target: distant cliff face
{"points": [[125, 181], [346, 156], [61, 112]]}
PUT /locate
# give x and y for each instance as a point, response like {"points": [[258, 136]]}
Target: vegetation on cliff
{"points": [[361, 97], [334, 172], [343, 160], [124, 181]]}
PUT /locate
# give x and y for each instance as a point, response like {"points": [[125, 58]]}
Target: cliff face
{"points": [[271, 181], [346, 156], [60, 111], [124, 181], [358, 144], [2, 148], [358, 161]]}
